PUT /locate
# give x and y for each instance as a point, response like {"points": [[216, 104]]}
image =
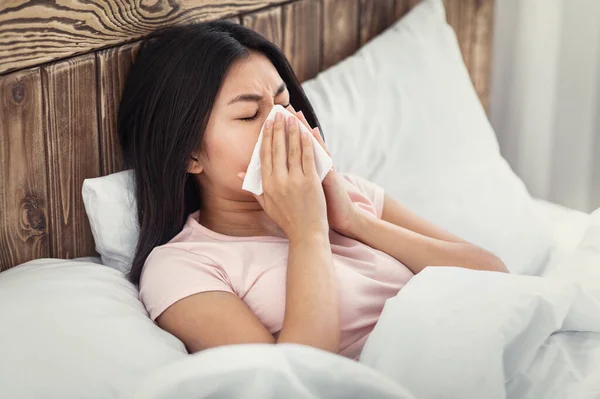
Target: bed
{"points": [[73, 327]]}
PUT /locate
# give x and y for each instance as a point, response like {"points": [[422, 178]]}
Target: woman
{"points": [[306, 262]]}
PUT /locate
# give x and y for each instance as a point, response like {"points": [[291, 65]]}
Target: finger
{"points": [[308, 155], [295, 145], [290, 108], [279, 150], [266, 161], [302, 118]]}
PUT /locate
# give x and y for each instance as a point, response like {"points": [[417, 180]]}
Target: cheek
{"points": [[230, 151]]}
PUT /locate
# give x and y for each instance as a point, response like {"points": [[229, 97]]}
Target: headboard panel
{"points": [[58, 119]]}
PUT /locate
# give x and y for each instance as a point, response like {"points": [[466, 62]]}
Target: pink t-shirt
{"points": [[254, 269]]}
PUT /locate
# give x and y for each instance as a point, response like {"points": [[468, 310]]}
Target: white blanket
{"points": [[457, 333], [449, 333], [266, 371]]}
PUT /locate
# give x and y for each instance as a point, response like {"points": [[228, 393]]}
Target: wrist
{"points": [[357, 223], [310, 236]]}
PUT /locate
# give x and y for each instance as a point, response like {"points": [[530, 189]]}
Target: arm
{"points": [[217, 318], [418, 243], [312, 311], [294, 199]]}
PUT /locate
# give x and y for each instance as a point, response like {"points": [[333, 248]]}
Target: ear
{"points": [[194, 165]]}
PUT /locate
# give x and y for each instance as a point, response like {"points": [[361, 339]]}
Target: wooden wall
{"points": [[58, 115]]}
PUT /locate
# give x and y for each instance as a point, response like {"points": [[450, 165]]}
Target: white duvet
{"points": [[449, 333]]}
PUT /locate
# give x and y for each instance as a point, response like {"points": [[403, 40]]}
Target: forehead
{"points": [[254, 74]]}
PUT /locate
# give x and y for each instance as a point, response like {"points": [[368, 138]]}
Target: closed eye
{"points": [[250, 118], [253, 117]]}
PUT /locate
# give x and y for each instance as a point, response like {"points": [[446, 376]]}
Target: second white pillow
{"points": [[403, 113]]}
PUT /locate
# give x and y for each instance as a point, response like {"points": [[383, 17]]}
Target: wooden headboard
{"points": [[63, 66]]}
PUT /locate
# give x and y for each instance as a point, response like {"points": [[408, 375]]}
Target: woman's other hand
{"points": [[293, 196], [341, 212]]}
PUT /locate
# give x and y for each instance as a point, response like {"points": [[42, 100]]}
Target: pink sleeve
{"points": [[368, 196], [171, 274]]}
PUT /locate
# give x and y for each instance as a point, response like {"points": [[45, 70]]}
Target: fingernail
{"points": [[269, 124], [278, 116], [300, 113], [290, 121]]}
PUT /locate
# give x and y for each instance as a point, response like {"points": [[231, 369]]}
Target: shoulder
{"points": [[174, 261], [172, 272]]}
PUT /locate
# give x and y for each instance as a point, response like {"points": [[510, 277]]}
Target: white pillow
{"points": [[403, 113], [110, 205], [73, 329]]}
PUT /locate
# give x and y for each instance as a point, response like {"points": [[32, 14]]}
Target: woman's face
{"points": [[250, 89]]}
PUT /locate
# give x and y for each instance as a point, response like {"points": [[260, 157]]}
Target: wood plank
{"points": [[375, 17], [23, 190], [404, 6], [113, 67], [235, 20], [71, 121], [267, 23], [481, 51], [461, 16], [302, 37], [340, 30], [35, 32]]}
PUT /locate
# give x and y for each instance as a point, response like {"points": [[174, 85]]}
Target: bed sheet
{"points": [[566, 366], [567, 227]]}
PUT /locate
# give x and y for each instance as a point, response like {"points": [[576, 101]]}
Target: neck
{"points": [[236, 217]]}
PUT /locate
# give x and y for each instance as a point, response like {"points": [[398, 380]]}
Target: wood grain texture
{"points": [[267, 23], [71, 126], [461, 16], [480, 66], [404, 6], [235, 20], [302, 37], [375, 16], [113, 67], [23, 205], [35, 32], [340, 30]]}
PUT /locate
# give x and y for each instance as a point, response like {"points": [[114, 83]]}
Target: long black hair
{"points": [[164, 110]]}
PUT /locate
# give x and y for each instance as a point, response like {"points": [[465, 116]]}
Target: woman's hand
{"points": [[342, 214], [293, 196]]}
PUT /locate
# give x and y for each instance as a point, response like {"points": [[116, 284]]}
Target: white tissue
{"points": [[253, 180]]}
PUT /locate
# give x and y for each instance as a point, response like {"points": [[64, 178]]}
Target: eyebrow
{"points": [[256, 97]]}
